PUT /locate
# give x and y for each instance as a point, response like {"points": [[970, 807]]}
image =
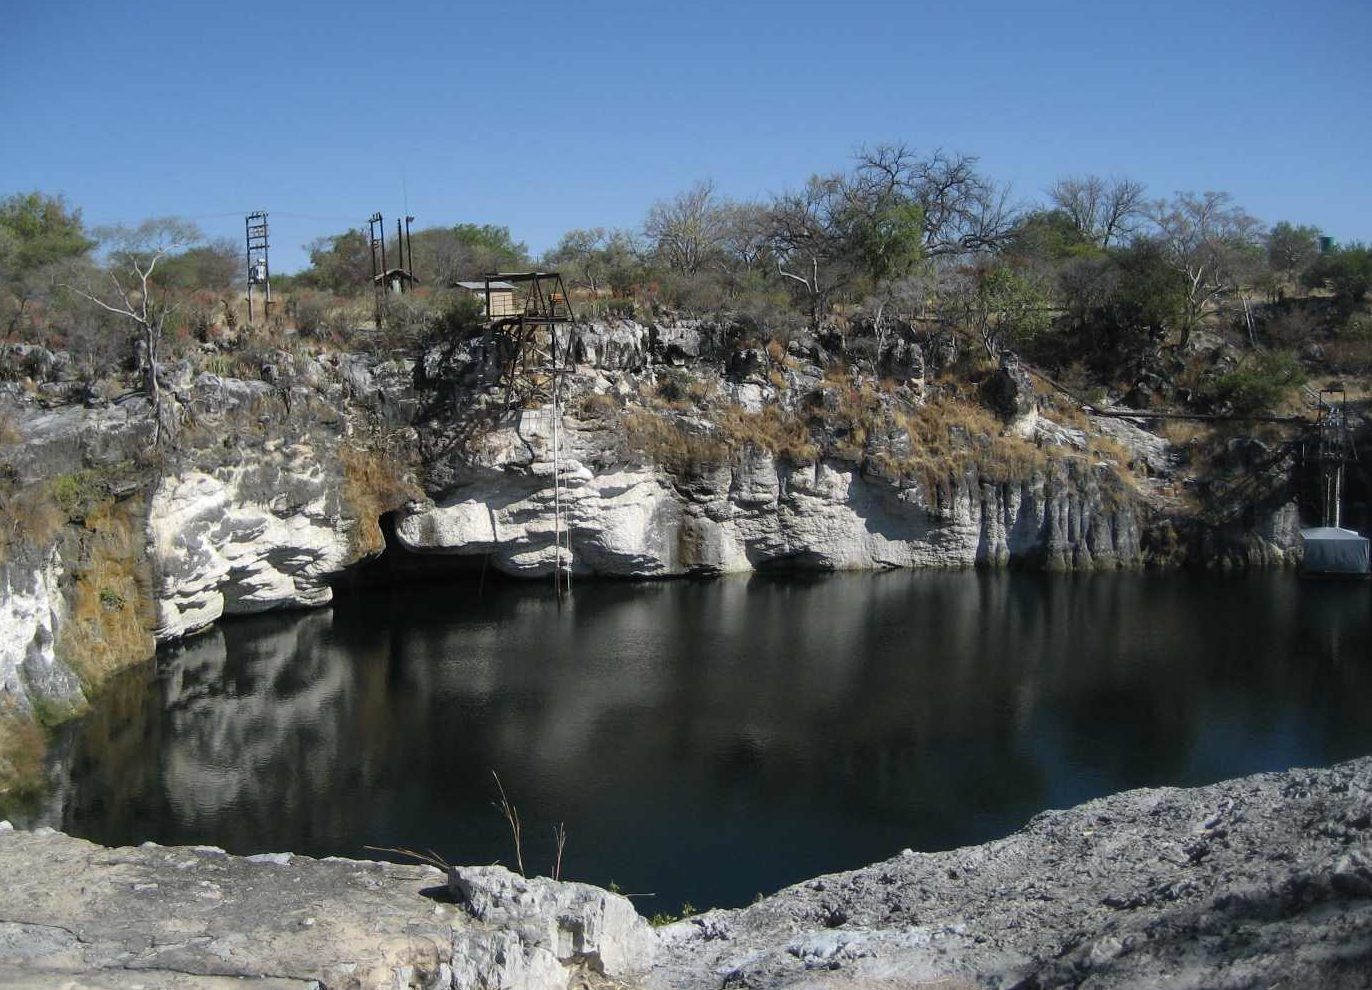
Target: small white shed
{"points": [[501, 295]]}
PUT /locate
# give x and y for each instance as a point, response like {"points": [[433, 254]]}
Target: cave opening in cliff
{"points": [[399, 565]]}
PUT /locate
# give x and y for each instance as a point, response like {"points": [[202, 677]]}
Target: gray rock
{"points": [[1259, 882], [575, 924], [78, 914], [1010, 389]]}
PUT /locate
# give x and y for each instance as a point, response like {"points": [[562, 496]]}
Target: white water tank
{"points": [[1334, 552]]}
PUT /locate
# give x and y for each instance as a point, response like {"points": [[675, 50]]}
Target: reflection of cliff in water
{"points": [[788, 726], [254, 721]]}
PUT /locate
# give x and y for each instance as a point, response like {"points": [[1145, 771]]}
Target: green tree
{"points": [[1004, 307], [340, 263], [1291, 248], [1045, 238], [214, 267], [465, 251], [1260, 382], [37, 230], [1145, 297], [1347, 272], [38, 234]]}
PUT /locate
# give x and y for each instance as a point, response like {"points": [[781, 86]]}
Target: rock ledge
{"points": [[1265, 881]]}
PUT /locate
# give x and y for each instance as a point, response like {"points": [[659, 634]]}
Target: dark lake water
{"points": [[707, 741]]}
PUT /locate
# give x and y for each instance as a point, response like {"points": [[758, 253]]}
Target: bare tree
{"points": [[688, 229], [1103, 210], [134, 255], [808, 243], [964, 212], [1211, 242], [747, 235], [598, 260]]}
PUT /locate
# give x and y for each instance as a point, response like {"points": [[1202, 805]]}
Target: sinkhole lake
{"points": [[708, 741]]}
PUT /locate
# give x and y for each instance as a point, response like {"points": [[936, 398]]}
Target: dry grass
{"points": [[776, 350], [1065, 412], [672, 444], [9, 429], [950, 439], [375, 481], [678, 389], [935, 445], [685, 448], [1181, 432], [110, 625], [849, 413], [23, 746], [773, 429], [1109, 449], [29, 515], [598, 405]]}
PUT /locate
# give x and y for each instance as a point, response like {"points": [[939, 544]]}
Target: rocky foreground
{"points": [[1262, 882]]}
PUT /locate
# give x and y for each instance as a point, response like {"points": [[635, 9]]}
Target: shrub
{"points": [[1346, 272], [1292, 327], [681, 390], [310, 311], [1259, 383], [598, 405]]}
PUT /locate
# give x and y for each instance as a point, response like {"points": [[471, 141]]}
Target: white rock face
{"points": [[31, 616], [237, 542], [541, 931], [632, 520]]}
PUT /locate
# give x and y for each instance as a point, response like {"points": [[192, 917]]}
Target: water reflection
{"points": [[710, 740]]}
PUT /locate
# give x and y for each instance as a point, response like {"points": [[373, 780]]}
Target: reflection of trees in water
{"points": [[913, 696]]}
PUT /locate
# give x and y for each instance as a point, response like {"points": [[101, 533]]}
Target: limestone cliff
{"points": [[681, 450]]}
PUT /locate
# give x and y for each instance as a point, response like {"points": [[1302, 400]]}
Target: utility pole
{"points": [[376, 233], [259, 268], [409, 247]]}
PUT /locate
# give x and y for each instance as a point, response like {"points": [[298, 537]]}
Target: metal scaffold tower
{"points": [[524, 311]]}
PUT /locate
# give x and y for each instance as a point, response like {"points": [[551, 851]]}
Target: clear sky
{"points": [[545, 117]]}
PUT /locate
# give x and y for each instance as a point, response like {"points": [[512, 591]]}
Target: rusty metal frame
{"points": [[527, 340]]}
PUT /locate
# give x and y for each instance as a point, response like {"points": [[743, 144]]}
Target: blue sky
{"points": [[545, 117]]}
